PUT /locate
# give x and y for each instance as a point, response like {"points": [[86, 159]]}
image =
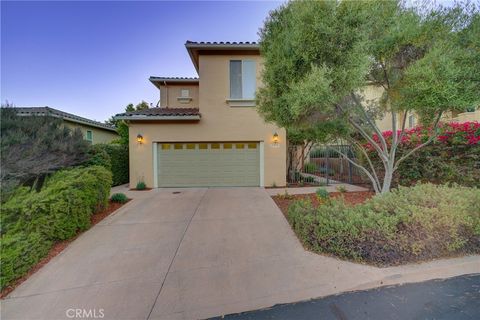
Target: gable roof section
{"points": [[47, 111], [161, 114], [194, 48]]}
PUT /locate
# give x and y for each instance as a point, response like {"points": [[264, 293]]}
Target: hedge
{"points": [[114, 157], [408, 224], [32, 221]]}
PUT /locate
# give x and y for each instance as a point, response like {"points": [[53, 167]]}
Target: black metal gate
{"points": [[325, 166]]}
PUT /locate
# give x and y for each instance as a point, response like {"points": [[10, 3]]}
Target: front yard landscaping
{"points": [[408, 224], [37, 225]]}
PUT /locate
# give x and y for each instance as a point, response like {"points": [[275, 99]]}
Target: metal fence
{"points": [[323, 165]]}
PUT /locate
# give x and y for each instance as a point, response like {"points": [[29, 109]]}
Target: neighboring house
{"points": [[375, 92], [206, 131], [93, 131]]}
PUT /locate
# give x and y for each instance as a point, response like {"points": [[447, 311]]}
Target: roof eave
{"points": [[192, 49], [157, 118]]}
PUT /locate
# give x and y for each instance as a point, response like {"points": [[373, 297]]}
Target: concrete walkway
{"points": [[193, 254]]}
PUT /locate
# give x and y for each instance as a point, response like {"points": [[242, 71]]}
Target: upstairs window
{"points": [[185, 93], [242, 79]]}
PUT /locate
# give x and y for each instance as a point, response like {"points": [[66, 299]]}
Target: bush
{"points": [[114, 157], [141, 185], [62, 207], [310, 167], [453, 158], [322, 194], [32, 220], [405, 225], [20, 251], [119, 197]]}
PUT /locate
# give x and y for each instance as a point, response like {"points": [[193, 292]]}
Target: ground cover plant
{"points": [[409, 224]]}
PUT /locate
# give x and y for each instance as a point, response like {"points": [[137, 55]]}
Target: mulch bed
{"points": [[58, 247], [352, 198]]}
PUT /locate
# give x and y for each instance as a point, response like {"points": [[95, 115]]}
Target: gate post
{"points": [[327, 165]]}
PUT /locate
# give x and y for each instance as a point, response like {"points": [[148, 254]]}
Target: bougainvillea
{"points": [[453, 157], [454, 133]]}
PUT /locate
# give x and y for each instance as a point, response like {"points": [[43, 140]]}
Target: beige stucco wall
{"points": [[99, 135], [219, 122], [170, 93]]}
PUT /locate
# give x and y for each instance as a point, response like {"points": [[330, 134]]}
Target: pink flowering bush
{"points": [[454, 133], [453, 157]]}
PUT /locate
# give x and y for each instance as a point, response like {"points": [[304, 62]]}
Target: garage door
{"points": [[213, 164]]}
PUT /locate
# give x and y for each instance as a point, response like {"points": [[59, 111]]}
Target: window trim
{"points": [[241, 102], [91, 136]]}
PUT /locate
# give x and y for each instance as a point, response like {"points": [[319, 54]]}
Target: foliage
{"points": [[114, 157], [32, 221], [33, 147], [310, 167], [319, 55], [62, 207], [119, 197], [141, 185], [20, 251], [322, 194], [454, 157], [402, 226], [341, 189], [98, 156]]}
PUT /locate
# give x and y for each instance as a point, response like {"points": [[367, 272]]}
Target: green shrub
{"points": [[322, 194], [405, 225], [310, 167], [32, 220], [113, 157], [20, 251], [141, 185], [98, 156], [63, 206], [119, 197], [341, 189]]}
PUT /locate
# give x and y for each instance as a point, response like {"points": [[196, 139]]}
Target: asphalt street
{"points": [[455, 298]]}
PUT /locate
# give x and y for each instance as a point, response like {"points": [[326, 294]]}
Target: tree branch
{"points": [[375, 187], [374, 173], [435, 128]]}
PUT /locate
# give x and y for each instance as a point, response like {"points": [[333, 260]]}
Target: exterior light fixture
{"points": [[139, 138], [275, 140], [275, 137]]}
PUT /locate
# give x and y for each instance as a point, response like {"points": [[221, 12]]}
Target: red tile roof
{"points": [[161, 112]]}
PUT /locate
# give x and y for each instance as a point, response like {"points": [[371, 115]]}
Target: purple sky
{"points": [[93, 58]]}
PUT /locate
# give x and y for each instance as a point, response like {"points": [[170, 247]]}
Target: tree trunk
{"points": [[387, 179]]}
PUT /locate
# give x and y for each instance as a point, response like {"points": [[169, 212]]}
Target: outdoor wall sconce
{"points": [[139, 138], [275, 140]]}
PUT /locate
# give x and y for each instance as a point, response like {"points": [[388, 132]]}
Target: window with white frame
{"points": [[185, 93], [242, 79]]}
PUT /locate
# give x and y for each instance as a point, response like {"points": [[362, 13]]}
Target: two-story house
{"points": [[206, 131]]}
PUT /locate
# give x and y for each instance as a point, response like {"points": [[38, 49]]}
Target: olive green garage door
{"points": [[210, 164]]}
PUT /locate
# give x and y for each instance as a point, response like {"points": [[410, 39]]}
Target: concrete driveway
{"points": [[192, 254]]}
